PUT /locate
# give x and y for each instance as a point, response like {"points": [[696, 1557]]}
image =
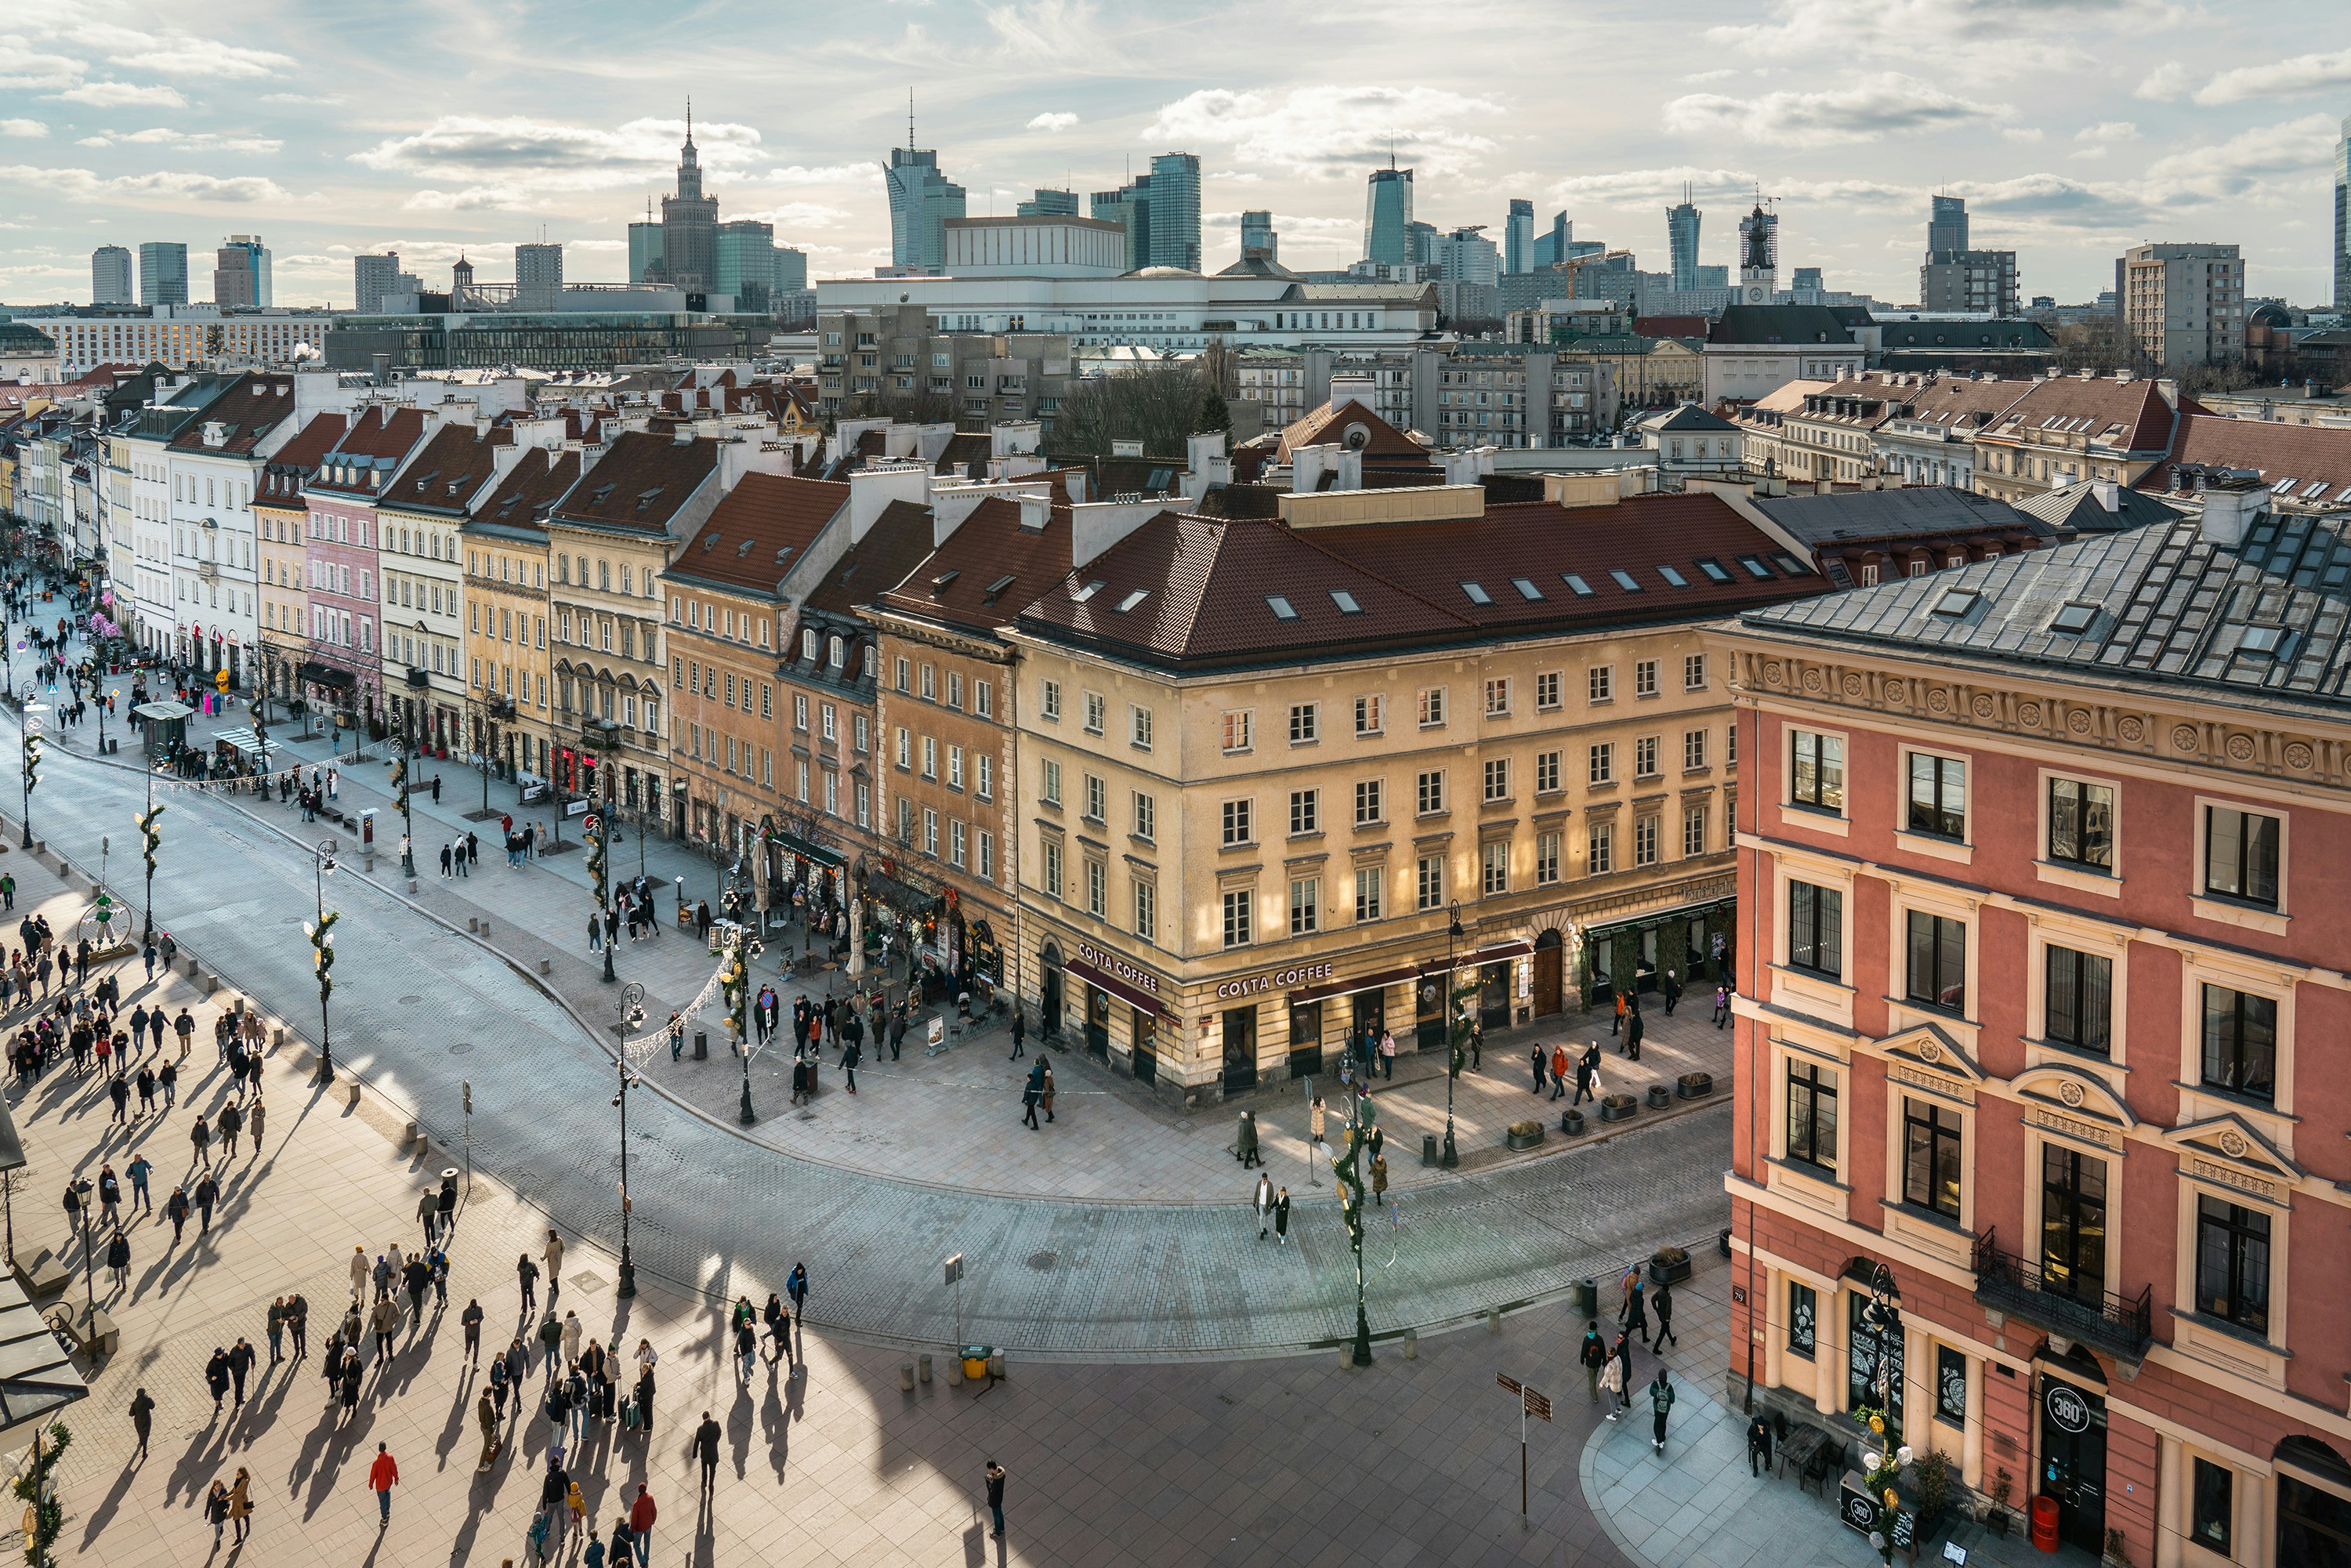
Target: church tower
{"points": [[1758, 256]]}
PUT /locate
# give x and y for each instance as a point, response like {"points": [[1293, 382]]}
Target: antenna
{"points": [[689, 119], [910, 120]]}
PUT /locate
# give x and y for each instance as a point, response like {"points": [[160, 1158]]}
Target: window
{"points": [[1819, 780], [1430, 889], [930, 757], [1048, 694], [930, 680], [1431, 792], [2079, 1005], [1369, 713], [1305, 905], [1601, 679], [1432, 707], [1602, 768], [1547, 772], [1237, 919], [1367, 894], [1497, 698], [1931, 1157], [1146, 910], [1644, 841], [2211, 1508], [1693, 829], [2232, 1263], [1547, 691], [1096, 709], [2082, 823], [1053, 774], [1645, 757], [1950, 1386], [1367, 801], [1305, 811], [1097, 889], [930, 825], [2240, 1042], [955, 837], [955, 681], [983, 700], [983, 782], [1547, 847], [1693, 749], [1645, 677], [1938, 961], [1138, 727], [1097, 799], [1694, 672], [1305, 722], [1237, 823], [1813, 1114], [1052, 864], [1938, 796], [1494, 867], [1803, 1314], [1237, 729], [1146, 816], [1601, 850], [800, 711], [2240, 855], [1497, 779]]}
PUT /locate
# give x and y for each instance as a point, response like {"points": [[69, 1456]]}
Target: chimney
{"points": [[1306, 465], [2230, 508], [872, 488], [1350, 465], [1096, 526], [1357, 389], [2110, 494], [1036, 511]]}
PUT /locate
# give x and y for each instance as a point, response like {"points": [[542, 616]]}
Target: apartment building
{"points": [[2184, 304], [2041, 1151], [1930, 439], [281, 530], [421, 577], [2066, 429], [510, 625], [340, 668]]}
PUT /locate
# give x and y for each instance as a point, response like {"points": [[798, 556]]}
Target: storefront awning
{"points": [[1348, 987], [1517, 948], [1133, 995], [815, 851], [885, 889], [328, 676]]}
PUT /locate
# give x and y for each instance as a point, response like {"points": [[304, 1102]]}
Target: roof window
{"points": [[995, 588], [1345, 602], [1582, 588], [1714, 569], [1956, 603], [1790, 564], [1673, 577], [1133, 598], [1476, 592], [1282, 607], [1625, 580], [2073, 619], [2269, 641], [2281, 486], [1755, 566], [1089, 590], [1527, 589]]}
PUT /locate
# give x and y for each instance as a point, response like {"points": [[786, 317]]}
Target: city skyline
{"points": [[2072, 135]]}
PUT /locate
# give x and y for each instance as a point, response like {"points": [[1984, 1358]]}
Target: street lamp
{"points": [[322, 951], [417, 681], [1453, 1028], [631, 1006], [32, 762], [1349, 1176], [599, 875], [736, 985]]}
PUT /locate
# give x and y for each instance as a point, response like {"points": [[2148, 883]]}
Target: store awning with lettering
{"points": [[1517, 948], [810, 850], [1127, 990], [1347, 988]]}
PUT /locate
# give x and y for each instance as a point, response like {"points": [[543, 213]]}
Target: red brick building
{"points": [[2041, 1001]]}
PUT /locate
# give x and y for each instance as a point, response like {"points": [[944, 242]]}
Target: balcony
{"points": [[2122, 1326]]}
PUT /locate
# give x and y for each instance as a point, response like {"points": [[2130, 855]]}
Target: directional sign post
{"points": [[1532, 1402]]}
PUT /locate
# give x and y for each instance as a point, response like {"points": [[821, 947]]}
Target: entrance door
{"points": [[1429, 1011], [1145, 1060], [1550, 970], [2072, 1225], [1366, 1014], [1049, 1021], [1494, 995], [2074, 1461], [1305, 1039], [1098, 1022], [1240, 1050]]}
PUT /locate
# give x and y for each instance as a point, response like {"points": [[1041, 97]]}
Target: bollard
{"points": [[486, 928], [954, 1372], [906, 1376], [1412, 1344], [409, 1137], [472, 926], [925, 1360], [1347, 1356], [1494, 1320], [276, 1037], [996, 1365], [701, 1046]]}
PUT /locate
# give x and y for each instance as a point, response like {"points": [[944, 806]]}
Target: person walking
{"points": [[253, 1121], [232, 1122], [641, 1514], [550, 1345], [1661, 1399], [996, 1498], [217, 1510], [1264, 1201], [1633, 1029], [1617, 1025], [200, 1143], [1558, 1071], [241, 1357], [485, 1417], [1758, 1446], [572, 1330], [471, 1318], [1388, 1054], [1636, 1309], [1612, 1379], [1542, 1066], [1673, 991], [1721, 1005], [175, 1209], [527, 1272], [1664, 1303], [1245, 1141], [1594, 1354], [240, 1504], [207, 1195], [382, 1476], [216, 1377], [1034, 1090], [1624, 1349], [1281, 1218], [1020, 1033], [1587, 1077], [706, 1449], [143, 1420], [552, 1256]]}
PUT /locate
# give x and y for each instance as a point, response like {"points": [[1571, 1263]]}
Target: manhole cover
{"points": [[460, 1047], [1040, 1260], [410, 1001]]}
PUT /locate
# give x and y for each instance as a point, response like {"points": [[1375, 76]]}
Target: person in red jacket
{"points": [[381, 1476], [641, 1524]]}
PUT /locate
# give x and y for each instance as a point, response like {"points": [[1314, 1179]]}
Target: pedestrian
{"points": [[853, 1053], [200, 1141], [550, 1345], [552, 1255], [359, 1269], [216, 1377], [1661, 1399], [528, 1272], [207, 1194], [1558, 1071], [472, 1319], [1624, 1349], [779, 1328], [1673, 991], [595, 932], [571, 1333], [1758, 1446], [624, 1543], [383, 1318], [1664, 1303], [1379, 1179], [1388, 1054], [232, 1122], [384, 1475], [298, 1324], [1264, 1201], [1033, 1091], [240, 1504], [142, 1419], [253, 1120], [1542, 1066], [1281, 1218], [217, 1510], [996, 1498], [641, 1523], [241, 1357], [705, 1448], [485, 1417], [1637, 1310], [444, 860], [1587, 1077], [1020, 1034], [1633, 1029], [276, 1329], [1594, 1354], [175, 1209], [117, 1260], [1612, 1378], [1617, 1024], [1721, 1005]]}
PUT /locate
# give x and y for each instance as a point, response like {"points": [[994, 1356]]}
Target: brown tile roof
{"points": [[753, 535], [310, 443], [446, 476], [639, 483], [895, 544], [1959, 400], [988, 570], [251, 407], [2130, 416], [1381, 440], [521, 499], [377, 434], [2318, 459], [1671, 326]]}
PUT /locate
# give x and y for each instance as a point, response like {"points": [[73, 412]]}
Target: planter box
{"points": [[1525, 1135], [1571, 1123], [1659, 1096], [1618, 1108], [1695, 1085], [1669, 1270]]}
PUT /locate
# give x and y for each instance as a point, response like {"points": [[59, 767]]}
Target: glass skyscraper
{"points": [[1176, 210], [2343, 218], [162, 272], [1387, 214], [921, 201], [1519, 238], [1681, 241]]}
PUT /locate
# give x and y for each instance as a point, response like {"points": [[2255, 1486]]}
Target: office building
{"points": [[2343, 218], [1049, 204], [1259, 239], [162, 272], [372, 277], [539, 276], [1975, 281], [111, 282], [1129, 207], [921, 201], [791, 270], [2184, 304], [1946, 223], [1420, 244], [1551, 246], [1681, 242], [1387, 214], [690, 224], [1176, 210], [645, 251], [1519, 237], [746, 262], [241, 273]]}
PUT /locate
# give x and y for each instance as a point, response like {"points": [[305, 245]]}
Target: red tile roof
{"points": [[753, 537], [446, 476], [1380, 441], [895, 544], [251, 406], [310, 443], [521, 499], [2310, 455], [379, 432], [2128, 416], [989, 570], [640, 482]]}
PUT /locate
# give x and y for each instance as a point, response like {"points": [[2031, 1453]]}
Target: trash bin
{"points": [[701, 1045], [975, 1361], [2044, 1524], [1585, 1295], [1428, 1148]]}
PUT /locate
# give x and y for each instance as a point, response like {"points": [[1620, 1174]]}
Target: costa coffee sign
{"points": [[1112, 964], [1273, 981]]}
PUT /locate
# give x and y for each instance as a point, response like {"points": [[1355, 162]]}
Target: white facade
{"points": [[1160, 308], [1742, 372], [215, 558], [182, 336], [142, 588], [1035, 248]]}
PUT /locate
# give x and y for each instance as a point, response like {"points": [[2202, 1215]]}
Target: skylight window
{"points": [[999, 586], [1625, 580], [2315, 488], [2267, 641], [1790, 564], [1133, 598], [2281, 486], [1282, 607], [1476, 592], [1527, 589], [1956, 603], [1755, 566], [1582, 588], [2343, 496], [1089, 590], [1345, 602], [2075, 619], [1673, 577], [1714, 570]]}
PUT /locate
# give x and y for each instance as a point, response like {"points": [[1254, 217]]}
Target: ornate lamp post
{"points": [[632, 1007], [1455, 1028], [32, 763], [593, 826], [737, 986], [1352, 1199], [322, 952]]}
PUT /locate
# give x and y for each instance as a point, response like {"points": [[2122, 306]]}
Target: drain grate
{"points": [[1041, 1261], [460, 1047]]}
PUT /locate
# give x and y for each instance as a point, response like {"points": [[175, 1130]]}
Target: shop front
{"points": [[1330, 1019], [1694, 941], [1108, 987]]}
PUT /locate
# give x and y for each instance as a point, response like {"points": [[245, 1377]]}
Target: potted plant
{"points": [[1996, 1517], [1931, 1476], [2117, 1549], [1669, 1266]]}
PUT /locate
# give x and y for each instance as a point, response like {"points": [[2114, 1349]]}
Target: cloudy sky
{"points": [[2072, 127]]}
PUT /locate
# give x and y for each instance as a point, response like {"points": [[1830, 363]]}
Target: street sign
{"points": [[593, 823], [1507, 1381], [1538, 1405], [953, 1269], [1532, 1402]]}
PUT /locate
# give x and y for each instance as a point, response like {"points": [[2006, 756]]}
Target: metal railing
{"points": [[2121, 1325]]}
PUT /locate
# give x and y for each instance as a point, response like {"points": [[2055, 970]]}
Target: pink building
{"points": [[2042, 1138], [340, 668]]}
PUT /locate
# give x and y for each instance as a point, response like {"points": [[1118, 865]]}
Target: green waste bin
{"points": [[1585, 1295]]}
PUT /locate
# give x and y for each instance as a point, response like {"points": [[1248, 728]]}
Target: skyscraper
{"points": [[690, 222], [1130, 207], [747, 262], [1387, 209], [1258, 237], [1050, 204], [1519, 238], [791, 270], [1551, 246], [109, 276], [241, 272], [1681, 241], [1954, 277], [372, 277], [645, 248], [1176, 210], [921, 201], [162, 272], [1946, 223], [539, 276], [2343, 218]]}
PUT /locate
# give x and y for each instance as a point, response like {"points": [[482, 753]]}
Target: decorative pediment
{"points": [[2231, 1151], [2070, 1093], [1928, 1048]]}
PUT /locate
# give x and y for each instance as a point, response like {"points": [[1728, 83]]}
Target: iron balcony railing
{"points": [[2120, 1326]]}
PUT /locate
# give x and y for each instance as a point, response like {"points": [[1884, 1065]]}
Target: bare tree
{"points": [[1159, 405]]}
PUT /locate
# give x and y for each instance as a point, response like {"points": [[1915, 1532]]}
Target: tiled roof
{"points": [[1797, 325], [1331, 423], [1965, 337], [2161, 606], [2078, 506], [445, 477], [311, 442], [751, 539], [895, 544], [378, 438], [639, 483], [1688, 416], [1671, 326], [2316, 458], [2129, 416], [251, 406], [989, 568], [534, 485], [1907, 512], [1960, 400]]}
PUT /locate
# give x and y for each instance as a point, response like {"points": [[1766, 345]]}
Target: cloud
{"points": [[297, 97], [2025, 133], [2041, 203], [2165, 84], [1710, 76], [830, 174], [1054, 121], [187, 142], [2291, 152], [473, 199], [163, 185], [1887, 104], [2279, 79], [1333, 132], [1914, 29], [519, 151], [121, 94], [1643, 187], [2109, 132], [29, 128], [175, 53], [22, 66], [800, 215]]}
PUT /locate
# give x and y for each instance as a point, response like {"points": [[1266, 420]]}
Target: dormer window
{"points": [[808, 644]]}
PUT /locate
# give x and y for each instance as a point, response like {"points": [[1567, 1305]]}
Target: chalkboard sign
{"points": [[1905, 1528]]}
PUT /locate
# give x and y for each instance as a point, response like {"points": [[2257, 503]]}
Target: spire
{"points": [[910, 120], [689, 120]]}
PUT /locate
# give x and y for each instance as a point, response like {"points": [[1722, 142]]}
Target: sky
{"points": [[2074, 128]]}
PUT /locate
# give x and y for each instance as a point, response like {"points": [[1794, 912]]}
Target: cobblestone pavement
{"points": [[418, 1006]]}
